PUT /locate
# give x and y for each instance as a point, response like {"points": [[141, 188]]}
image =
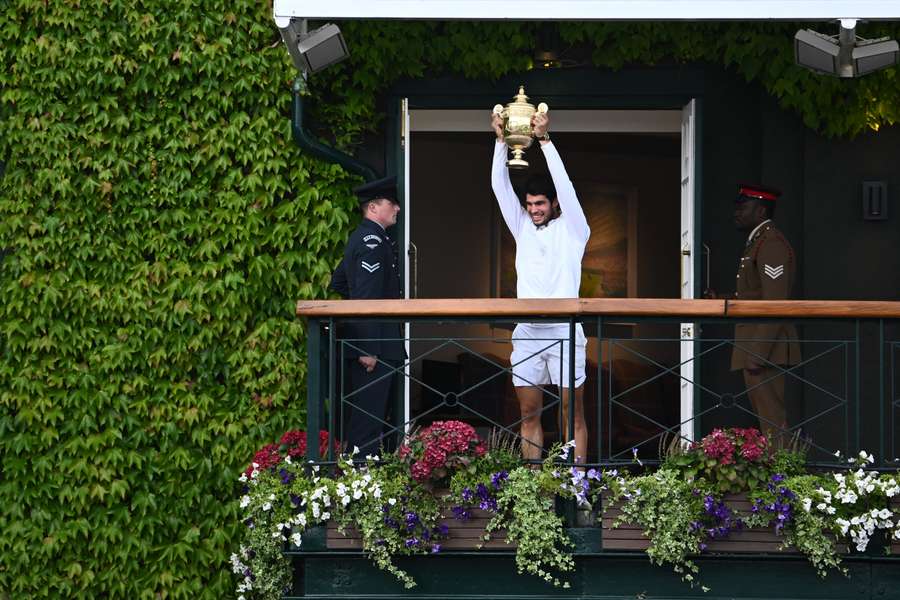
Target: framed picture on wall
{"points": [[609, 266]]}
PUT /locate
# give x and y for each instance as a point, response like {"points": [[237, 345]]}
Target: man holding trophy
{"points": [[551, 232]]}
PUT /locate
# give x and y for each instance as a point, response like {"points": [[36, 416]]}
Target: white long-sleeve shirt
{"points": [[548, 258]]}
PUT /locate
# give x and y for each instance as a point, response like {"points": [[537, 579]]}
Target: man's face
{"points": [[540, 209], [748, 214], [384, 212]]}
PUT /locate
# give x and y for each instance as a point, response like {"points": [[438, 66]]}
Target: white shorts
{"points": [[540, 354]]}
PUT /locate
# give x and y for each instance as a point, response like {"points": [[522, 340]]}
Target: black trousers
{"points": [[368, 401]]}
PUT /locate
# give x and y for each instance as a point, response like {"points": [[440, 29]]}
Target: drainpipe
{"points": [[308, 143]]}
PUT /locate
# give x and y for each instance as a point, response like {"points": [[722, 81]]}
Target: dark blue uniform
{"points": [[369, 270]]}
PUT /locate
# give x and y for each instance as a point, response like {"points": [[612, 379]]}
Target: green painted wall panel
{"points": [[482, 575]]}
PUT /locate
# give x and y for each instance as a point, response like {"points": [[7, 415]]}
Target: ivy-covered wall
{"points": [[157, 226]]}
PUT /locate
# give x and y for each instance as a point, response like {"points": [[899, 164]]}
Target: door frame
{"points": [[657, 88]]}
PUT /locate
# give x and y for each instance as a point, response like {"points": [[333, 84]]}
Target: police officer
{"points": [[369, 270], [766, 272]]}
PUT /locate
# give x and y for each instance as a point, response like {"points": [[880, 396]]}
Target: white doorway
{"points": [[454, 248]]}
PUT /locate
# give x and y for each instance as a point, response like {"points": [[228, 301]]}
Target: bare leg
{"points": [[531, 401], [580, 425]]}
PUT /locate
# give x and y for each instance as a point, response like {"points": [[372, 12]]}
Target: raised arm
{"points": [[572, 214], [510, 208]]}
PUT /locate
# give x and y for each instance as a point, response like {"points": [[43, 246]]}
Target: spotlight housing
{"points": [[846, 54], [316, 50]]}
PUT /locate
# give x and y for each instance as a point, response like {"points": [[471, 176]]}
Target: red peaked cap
{"points": [[749, 191]]}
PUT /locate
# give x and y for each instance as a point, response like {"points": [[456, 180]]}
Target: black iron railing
{"points": [[658, 370]]}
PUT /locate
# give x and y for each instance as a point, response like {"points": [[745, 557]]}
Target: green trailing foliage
{"points": [[157, 225]]}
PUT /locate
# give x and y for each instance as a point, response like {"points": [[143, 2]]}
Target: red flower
{"points": [[440, 448], [293, 444], [728, 445]]}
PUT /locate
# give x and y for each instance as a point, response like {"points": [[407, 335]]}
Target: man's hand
{"points": [[540, 124], [497, 126], [368, 362]]}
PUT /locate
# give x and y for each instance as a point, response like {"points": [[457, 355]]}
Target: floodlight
{"points": [[874, 56], [816, 52], [314, 51], [846, 54]]}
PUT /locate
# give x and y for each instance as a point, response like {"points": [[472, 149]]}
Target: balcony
{"points": [[657, 371]]}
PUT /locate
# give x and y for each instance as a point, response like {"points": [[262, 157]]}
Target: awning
{"points": [[599, 10]]}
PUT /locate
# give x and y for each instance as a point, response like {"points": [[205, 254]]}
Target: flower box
{"points": [[628, 536], [463, 534]]}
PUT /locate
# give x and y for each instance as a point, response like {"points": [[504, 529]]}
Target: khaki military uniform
{"points": [[766, 272]]}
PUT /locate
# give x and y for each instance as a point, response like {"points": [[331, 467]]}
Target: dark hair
{"points": [[541, 185]]}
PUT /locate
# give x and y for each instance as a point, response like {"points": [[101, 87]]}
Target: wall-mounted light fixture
{"points": [[846, 54], [316, 50]]}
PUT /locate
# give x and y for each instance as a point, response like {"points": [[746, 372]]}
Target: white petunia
{"points": [[245, 501], [267, 506], [296, 539]]}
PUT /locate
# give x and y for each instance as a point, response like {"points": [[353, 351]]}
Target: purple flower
{"points": [[295, 500], [412, 542], [498, 478], [777, 478], [441, 529], [435, 548], [286, 477], [482, 491], [460, 513], [489, 504], [467, 495], [594, 474]]}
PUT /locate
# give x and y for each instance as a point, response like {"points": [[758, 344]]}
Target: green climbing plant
{"points": [[157, 225]]}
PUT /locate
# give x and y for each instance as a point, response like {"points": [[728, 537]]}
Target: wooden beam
{"points": [[580, 307], [839, 309]]}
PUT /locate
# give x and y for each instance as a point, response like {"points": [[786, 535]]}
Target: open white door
{"points": [[688, 182], [410, 261]]}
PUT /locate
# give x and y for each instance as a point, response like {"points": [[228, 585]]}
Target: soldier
{"points": [[766, 272], [369, 270]]}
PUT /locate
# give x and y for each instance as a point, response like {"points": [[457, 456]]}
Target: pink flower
{"points": [[439, 448]]}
